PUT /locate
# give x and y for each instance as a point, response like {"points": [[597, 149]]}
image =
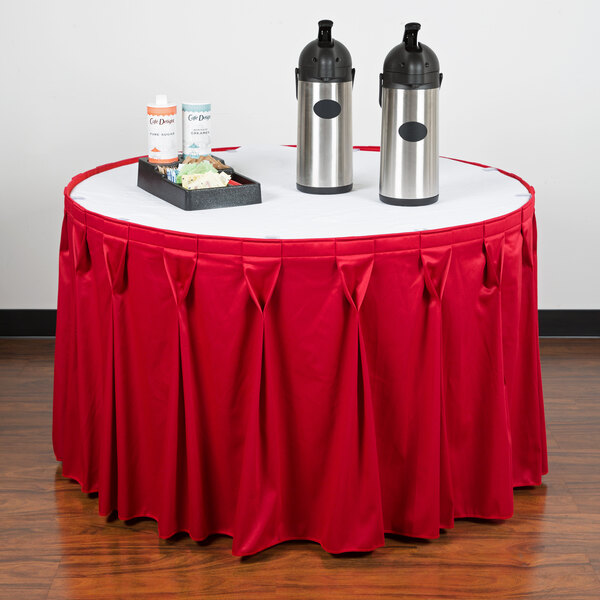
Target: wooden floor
{"points": [[53, 544]]}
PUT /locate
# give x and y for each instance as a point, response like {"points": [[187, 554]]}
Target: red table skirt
{"points": [[328, 390]]}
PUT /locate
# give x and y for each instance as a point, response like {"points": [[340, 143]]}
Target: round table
{"points": [[327, 368]]}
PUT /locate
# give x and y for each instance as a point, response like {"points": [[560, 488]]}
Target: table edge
{"points": [[333, 245]]}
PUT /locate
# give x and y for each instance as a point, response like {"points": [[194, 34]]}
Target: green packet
{"points": [[194, 168]]}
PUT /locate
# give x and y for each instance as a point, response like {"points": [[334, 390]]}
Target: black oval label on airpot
{"points": [[413, 131], [327, 109]]}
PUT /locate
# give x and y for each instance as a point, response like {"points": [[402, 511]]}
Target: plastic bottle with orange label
{"points": [[162, 131]]}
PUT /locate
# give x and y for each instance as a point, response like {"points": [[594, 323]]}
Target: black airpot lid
{"points": [[325, 59], [411, 64]]}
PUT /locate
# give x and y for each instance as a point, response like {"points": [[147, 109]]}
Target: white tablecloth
{"points": [[468, 194]]}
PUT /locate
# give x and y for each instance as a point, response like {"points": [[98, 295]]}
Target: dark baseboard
{"points": [[553, 323], [569, 323], [23, 322]]}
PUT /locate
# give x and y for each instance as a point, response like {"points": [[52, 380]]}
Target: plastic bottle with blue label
{"points": [[196, 129]]}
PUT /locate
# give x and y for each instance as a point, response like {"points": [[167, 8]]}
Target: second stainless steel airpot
{"points": [[408, 95]]}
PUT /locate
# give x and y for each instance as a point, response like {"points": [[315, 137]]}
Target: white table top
{"points": [[468, 194]]}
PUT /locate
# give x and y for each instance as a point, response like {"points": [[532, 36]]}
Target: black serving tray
{"points": [[149, 179]]}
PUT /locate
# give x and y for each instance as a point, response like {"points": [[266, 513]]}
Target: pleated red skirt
{"points": [[330, 390]]}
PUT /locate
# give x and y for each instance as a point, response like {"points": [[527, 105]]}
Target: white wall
{"points": [[521, 92]]}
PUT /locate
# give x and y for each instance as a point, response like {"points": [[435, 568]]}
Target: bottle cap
{"points": [[325, 59], [196, 106], [161, 100], [411, 64]]}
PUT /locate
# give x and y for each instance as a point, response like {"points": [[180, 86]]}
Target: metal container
{"points": [[324, 80], [408, 95]]}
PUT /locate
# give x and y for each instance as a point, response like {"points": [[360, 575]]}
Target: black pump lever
{"points": [[410, 37], [325, 40]]}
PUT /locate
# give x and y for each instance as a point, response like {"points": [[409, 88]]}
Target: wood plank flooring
{"points": [[54, 545]]}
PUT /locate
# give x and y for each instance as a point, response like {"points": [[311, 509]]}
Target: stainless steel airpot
{"points": [[324, 79], [408, 95]]}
